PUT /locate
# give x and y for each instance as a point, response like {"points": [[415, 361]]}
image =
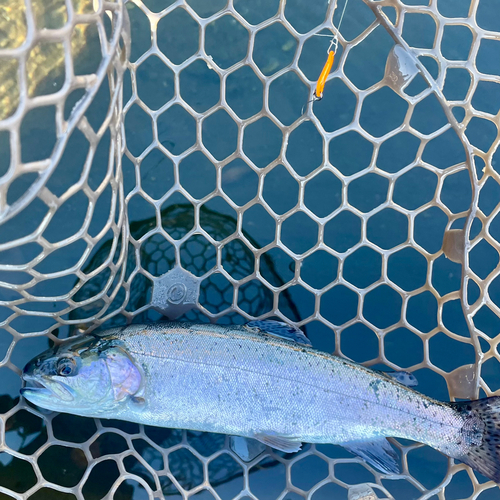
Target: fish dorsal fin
{"points": [[280, 329], [403, 377], [283, 443], [377, 452]]}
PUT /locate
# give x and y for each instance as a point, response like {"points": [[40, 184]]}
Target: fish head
{"points": [[84, 375]]}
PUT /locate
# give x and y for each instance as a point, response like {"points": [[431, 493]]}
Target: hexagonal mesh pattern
{"points": [[177, 140]]}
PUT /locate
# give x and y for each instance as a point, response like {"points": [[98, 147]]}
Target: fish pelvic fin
{"points": [[376, 452], [481, 432], [282, 443], [246, 448]]}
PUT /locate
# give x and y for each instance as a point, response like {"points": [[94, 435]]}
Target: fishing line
{"points": [[342, 16]]}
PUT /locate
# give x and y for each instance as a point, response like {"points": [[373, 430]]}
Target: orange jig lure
{"points": [[320, 85]]}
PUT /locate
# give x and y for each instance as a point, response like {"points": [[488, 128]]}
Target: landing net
{"points": [[155, 162]]}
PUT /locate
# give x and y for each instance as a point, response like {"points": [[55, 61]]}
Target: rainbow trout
{"points": [[261, 381]]}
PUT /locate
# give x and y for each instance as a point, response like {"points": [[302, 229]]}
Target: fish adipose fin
{"points": [[282, 443], [482, 431], [280, 329], [377, 452], [403, 377]]}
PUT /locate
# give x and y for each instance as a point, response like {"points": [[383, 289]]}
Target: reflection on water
{"points": [[45, 69]]}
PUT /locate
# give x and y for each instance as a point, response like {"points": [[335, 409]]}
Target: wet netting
{"points": [[158, 159]]}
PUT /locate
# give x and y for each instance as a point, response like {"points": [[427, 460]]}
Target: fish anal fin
{"points": [[377, 452], [281, 443]]}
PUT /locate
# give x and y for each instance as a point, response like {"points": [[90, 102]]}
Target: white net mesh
{"points": [[178, 143]]}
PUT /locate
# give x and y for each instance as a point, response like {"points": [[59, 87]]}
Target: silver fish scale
{"points": [[72, 213], [210, 378]]}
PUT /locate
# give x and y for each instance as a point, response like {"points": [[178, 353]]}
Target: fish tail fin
{"points": [[481, 432]]}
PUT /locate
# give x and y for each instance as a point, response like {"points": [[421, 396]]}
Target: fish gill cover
{"points": [[143, 138]]}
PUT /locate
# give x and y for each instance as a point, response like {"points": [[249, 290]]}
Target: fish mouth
{"points": [[34, 386], [37, 388]]}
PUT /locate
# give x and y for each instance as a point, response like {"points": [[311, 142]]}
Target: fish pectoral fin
{"points": [[246, 448], [403, 377], [280, 329], [283, 443], [377, 452]]}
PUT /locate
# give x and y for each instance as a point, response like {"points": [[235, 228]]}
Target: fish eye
{"points": [[66, 367]]}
